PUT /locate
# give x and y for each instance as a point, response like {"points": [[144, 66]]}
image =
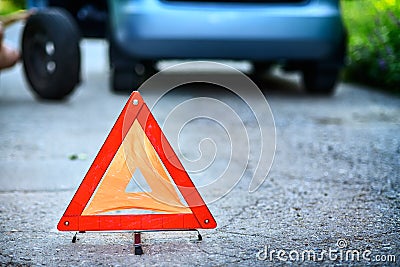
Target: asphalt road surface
{"points": [[331, 195]]}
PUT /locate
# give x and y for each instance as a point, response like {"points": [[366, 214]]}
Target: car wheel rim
{"points": [[42, 56]]}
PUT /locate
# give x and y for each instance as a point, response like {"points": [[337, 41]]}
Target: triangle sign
{"points": [[136, 144]]}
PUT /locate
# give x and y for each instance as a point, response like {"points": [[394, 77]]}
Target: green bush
{"points": [[374, 42]]}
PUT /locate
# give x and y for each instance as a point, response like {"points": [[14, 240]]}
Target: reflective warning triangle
{"points": [[136, 144]]}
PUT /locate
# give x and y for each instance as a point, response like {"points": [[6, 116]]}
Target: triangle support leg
{"points": [[138, 243]]}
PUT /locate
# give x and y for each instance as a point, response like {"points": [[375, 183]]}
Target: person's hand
{"points": [[8, 56], [7, 20]]}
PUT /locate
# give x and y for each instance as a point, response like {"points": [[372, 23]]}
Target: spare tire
{"points": [[51, 54]]}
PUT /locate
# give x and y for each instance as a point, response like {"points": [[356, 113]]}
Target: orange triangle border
{"points": [[136, 109]]}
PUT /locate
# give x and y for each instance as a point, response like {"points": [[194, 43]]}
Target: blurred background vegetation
{"points": [[374, 40], [9, 6]]}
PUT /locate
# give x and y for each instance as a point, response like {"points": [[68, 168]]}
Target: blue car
{"points": [[303, 35]]}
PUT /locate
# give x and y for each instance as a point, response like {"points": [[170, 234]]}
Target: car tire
{"points": [[124, 80], [51, 54], [320, 80], [127, 74], [260, 69], [128, 79]]}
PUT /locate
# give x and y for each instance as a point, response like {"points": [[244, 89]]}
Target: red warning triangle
{"points": [[136, 144]]}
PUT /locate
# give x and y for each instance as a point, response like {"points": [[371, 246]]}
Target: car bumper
{"points": [[161, 30]]}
